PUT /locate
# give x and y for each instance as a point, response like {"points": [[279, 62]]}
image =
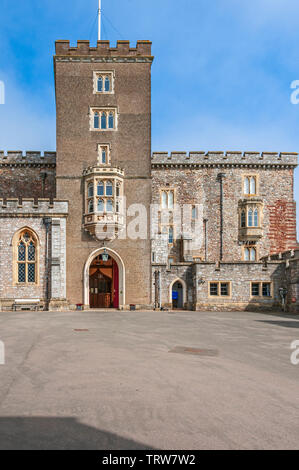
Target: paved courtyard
{"points": [[107, 380]]}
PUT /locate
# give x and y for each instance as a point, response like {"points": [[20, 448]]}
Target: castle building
{"points": [[104, 223]]}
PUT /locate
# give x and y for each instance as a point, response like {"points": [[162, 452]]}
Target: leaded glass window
{"points": [[26, 258]]}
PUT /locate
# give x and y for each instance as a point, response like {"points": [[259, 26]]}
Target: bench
{"points": [[26, 304]]}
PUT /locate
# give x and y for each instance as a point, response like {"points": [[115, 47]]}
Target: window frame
{"points": [[166, 191], [219, 294], [103, 74], [261, 296], [250, 247], [249, 177], [101, 111], [16, 262]]}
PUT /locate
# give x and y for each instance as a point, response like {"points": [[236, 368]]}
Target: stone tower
{"points": [[103, 102]]}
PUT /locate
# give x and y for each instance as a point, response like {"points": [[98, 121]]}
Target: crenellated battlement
{"points": [[17, 157], [28, 207], [103, 50], [224, 159]]}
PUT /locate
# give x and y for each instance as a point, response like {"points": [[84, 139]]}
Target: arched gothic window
{"points": [[109, 205], [100, 205], [90, 190], [96, 123], [100, 189], [250, 218], [111, 121], [243, 219], [100, 84], [109, 188], [26, 257], [90, 206], [107, 84], [104, 121], [256, 218]]}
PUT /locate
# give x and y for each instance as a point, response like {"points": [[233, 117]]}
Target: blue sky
{"points": [[221, 77]]}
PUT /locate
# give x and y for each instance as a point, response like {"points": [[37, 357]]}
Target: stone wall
{"points": [[29, 175], [27, 213]]}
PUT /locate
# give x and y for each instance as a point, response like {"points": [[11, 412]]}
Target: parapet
{"points": [[17, 157], [13, 207], [103, 49], [226, 159]]}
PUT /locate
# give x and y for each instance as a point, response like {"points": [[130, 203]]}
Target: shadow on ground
{"points": [[285, 324], [43, 433]]}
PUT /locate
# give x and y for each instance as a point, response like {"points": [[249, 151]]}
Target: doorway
{"points": [[177, 295], [103, 283]]}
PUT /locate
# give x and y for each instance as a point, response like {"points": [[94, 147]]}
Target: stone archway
{"points": [[121, 275], [182, 298]]}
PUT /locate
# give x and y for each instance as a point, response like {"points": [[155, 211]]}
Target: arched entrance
{"points": [[104, 280], [103, 283], [177, 294]]}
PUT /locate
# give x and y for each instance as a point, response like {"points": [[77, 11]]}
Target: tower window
{"points": [[103, 154], [103, 119], [103, 82]]}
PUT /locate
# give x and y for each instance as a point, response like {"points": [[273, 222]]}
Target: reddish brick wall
{"points": [[282, 226], [27, 182]]}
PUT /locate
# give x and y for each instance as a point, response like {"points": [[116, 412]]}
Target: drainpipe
{"points": [[157, 289], [206, 238], [47, 222], [220, 177]]}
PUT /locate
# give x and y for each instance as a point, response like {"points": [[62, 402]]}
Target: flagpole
{"points": [[100, 14]]}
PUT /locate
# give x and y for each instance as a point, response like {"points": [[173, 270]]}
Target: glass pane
{"points": [[194, 213], [243, 219], [90, 206], [250, 221], [252, 185], [31, 252], [21, 273], [256, 218], [26, 237], [109, 205], [107, 84], [104, 121], [246, 186], [255, 289], [246, 254], [90, 190], [252, 254], [31, 272], [266, 289], [103, 156], [164, 200], [109, 188], [111, 121], [170, 200], [117, 190], [100, 205], [100, 189], [96, 123], [213, 288], [100, 84], [224, 288], [170, 235], [21, 252], [117, 206]]}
